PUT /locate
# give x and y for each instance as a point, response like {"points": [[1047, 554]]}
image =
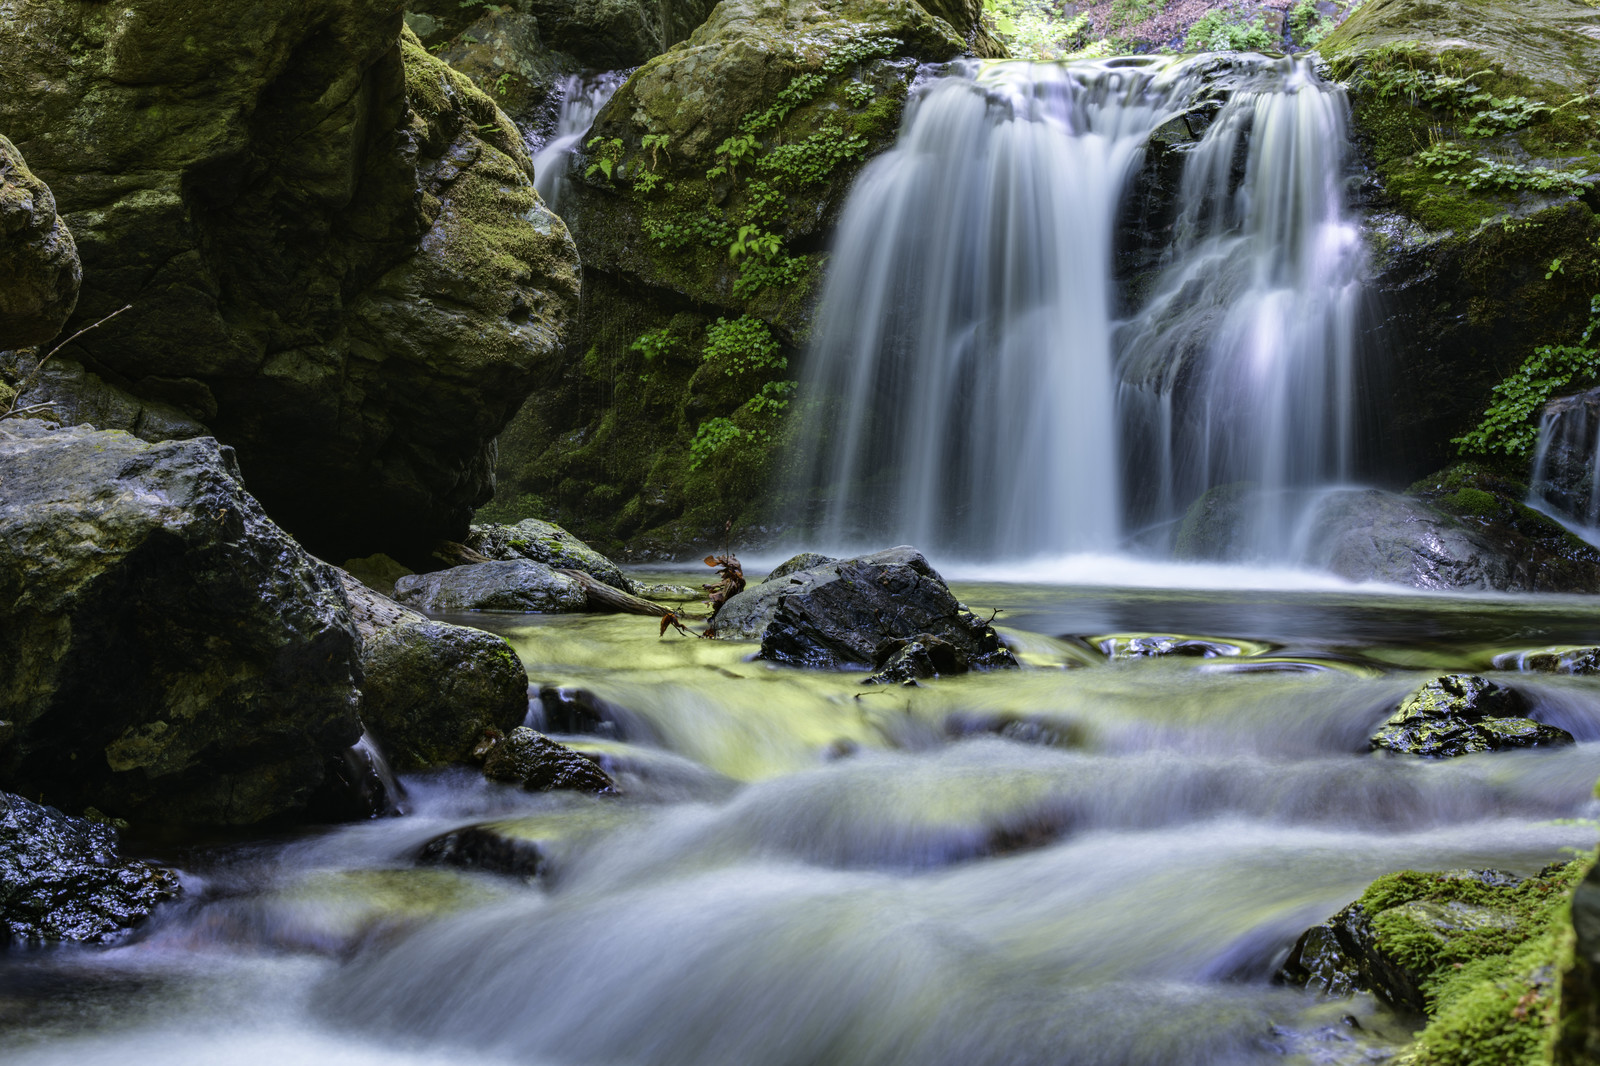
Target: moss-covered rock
{"points": [[1578, 1033], [330, 239], [539, 764], [1482, 136], [39, 268], [1461, 715], [702, 203]]}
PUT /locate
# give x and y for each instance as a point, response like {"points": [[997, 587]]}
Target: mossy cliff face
{"points": [[702, 206], [39, 269], [330, 241], [1481, 132]]}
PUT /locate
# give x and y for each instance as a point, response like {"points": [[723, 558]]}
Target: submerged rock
{"points": [[1460, 715], [39, 268], [431, 688], [330, 240], [850, 613], [542, 765], [175, 655], [519, 585], [901, 661], [1162, 646], [1579, 661], [478, 847], [62, 879], [547, 543]]}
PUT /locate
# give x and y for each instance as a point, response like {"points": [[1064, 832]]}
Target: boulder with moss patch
{"points": [[511, 585], [39, 268], [1462, 715], [547, 543], [330, 241]]}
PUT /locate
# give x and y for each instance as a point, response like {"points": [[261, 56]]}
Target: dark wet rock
{"points": [[175, 656], [1460, 715], [330, 241], [1213, 527], [482, 848], [69, 395], [747, 615], [841, 615], [504, 586], [1054, 733], [431, 689], [673, 593], [1578, 1043], [577, 710], [900, 660], [1582, 662], [1393, 941], [377, 572], [547, 543], [542, 765], [39, 267], [796, 563], [62, 879]]}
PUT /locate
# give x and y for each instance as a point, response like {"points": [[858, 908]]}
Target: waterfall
{"points": [[1566, 463], [581, 100], [968, 387], [1242, 369]]}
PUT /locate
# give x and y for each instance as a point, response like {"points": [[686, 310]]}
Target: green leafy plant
{"points": [[607, 153], [655, 344], [653, 143], [742, 345], [740, 148], [1227, 31], [1510, 424], [713, 435]]}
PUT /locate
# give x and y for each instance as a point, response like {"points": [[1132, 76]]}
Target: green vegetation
{"points": [[1229, 31], [1510, 425], [1036, 29], [1491, 987]]}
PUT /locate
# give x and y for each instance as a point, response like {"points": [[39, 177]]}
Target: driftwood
{"points": [[602, 597]]}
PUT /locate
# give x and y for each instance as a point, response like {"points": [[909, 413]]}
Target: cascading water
{"points": [[1566, 464], [1243, 367], [965, 355], [581, 100]]}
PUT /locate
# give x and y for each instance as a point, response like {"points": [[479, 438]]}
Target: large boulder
{"points": [[168, 653], [1578, 1042], [1463, 270], [39, 268], [330, 241], [547, 543], [1461, 715], [889, 610], [431, 688], [513, 585], [62, 879], [667, 421]]}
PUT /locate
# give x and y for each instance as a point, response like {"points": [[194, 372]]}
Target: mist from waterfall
{"points": [[969, 388]]}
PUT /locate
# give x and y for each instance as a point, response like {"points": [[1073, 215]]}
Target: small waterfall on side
{"points": [[1242, 369], [962, 349], [968, 389], [1566, 464], [581, 100]]}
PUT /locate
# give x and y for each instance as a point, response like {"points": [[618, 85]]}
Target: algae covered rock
{"points": [[431, 688], [1578, 1040], [542, 765], [169, 652], [61, 878], [330, 241], [1461, 715], [669, 419], [515, 585], [547, 543], [39, 268]]}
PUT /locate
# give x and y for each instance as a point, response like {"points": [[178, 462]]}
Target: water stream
{"points": [[582, 97], [1078, 862]]}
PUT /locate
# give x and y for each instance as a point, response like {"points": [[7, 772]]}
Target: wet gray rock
{"points": [[478, 847], [1582, 662], [39, 268], [431, 688], [1460, 715], [542, 765], [547, 543], [796, 563], [70, 395], [62, 879], [902, 661], [1579, 1042], [174, 655], [747, 615], [842, 615], [1157, 647], [1371, 535], [518, 585]]}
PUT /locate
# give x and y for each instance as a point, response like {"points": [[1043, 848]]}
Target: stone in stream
{"points": [[542, 765], [1460, 714], [62, 879], [512, 585], [174, 655], [431, 688], [903, 661], [547, 543], [1579, 661]]}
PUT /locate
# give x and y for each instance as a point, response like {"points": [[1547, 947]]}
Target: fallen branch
{"points": [[602, 597], [27, 382]]}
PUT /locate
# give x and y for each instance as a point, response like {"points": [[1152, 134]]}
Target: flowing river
{"points": [[1084, 861]]}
